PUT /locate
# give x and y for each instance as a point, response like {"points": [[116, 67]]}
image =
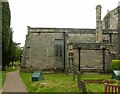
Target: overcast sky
{"points": [[55, 13]]}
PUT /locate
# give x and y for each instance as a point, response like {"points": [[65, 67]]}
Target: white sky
{"points": [[55, 13]]}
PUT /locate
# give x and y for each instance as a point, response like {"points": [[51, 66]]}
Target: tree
{"points": [[11, 49], [6, 34], [5, 26], [18, 53]]}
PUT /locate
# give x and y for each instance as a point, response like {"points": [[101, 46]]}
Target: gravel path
{"points": [[13, 83]]}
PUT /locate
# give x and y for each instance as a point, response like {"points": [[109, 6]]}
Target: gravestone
{"points": [[37, 76], [81, 84], [116, 74]]}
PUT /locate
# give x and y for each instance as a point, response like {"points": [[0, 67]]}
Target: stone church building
{"points": [[63, 48]]}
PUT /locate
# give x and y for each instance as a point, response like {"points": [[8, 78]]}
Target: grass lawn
{"points": [[0, 79], [63, 83], [52, 83]]}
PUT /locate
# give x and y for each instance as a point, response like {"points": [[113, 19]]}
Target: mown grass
{"points": [[96, 76], [0, 79], [59, 82], [52, 83]]}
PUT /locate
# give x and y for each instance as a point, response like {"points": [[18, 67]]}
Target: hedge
{"points": [[116, 64]]}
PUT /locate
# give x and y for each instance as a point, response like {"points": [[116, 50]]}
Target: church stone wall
{"points": [[115, 43], [110, 21], [89, 58], [42, 50], [82, 38], [40, 45], [92, 59]]}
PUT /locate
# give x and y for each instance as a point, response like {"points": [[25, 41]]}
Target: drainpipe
{"points": [[110, 37], [103, 59], [64, 49], [79, 49]]}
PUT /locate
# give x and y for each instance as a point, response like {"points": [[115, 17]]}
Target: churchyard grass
{"points": [[0, 79], [59, 82], [52, 83]]}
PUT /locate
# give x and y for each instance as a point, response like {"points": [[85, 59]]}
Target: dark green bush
{"points": [[116, 64]]}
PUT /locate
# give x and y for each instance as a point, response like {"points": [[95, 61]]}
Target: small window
{"points": [[59, 48]]}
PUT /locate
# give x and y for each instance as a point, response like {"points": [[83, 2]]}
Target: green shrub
{"points": [[116, 64]]}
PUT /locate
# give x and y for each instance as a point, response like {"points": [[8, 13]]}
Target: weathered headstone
{"points": [[74, 72], [79, 78], [81, 84]]}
